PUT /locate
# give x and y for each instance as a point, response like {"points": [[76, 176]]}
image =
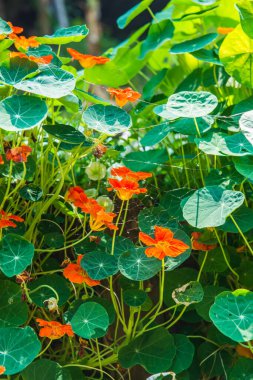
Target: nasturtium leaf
{"points": [[41, 292], [148, 218], [121, 245], [16, 253], [134, 297], [174, 262], [158, 34], [213, 364], [64, 36], [243, 217], [187, 126], [13, 310], [244, 166], [54, 240], [210, 292], [170, 202], [156, 134], [136, 266], [215, 262], [45, 369], [51, 82], [147, 160], [31, 193], [18, 348], [189, 293], [210, 206], [16, 69], [236, 54], [194, 44], [241, 370], [153, 350], [5, 44], [184, 353], [176, 279], [109, 120], [66, 133], [150, 87], [130, 15], [99, 265], [90, 320], [232, 314], [21, 112], [4, 27], [245, 9], [225, 177], [246, 125], [207, 56], [43, 50], [189, 104]]}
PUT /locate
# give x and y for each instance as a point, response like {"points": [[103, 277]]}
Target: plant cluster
{"points": [[126, 217]]}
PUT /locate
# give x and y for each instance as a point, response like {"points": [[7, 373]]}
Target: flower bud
{"points": [[105, 202], [96, 171]]}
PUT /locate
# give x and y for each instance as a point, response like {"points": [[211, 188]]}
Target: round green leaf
{"points": [[194, 44], [16, 69], [232, 314], [110, 120], [99, 265], [64, 36], [187, 126], [20, 112], [189, 104], [18, 348], [210, 206], [16, 253], [13, 310], [136, 266], [156, 135], [146, 161], [90, 321], [65, 133], [45, 369], [134, 297], [210, 292], [246, 125], [245, 9], [189, 293], [43, 292], [31, 193], [243, 217], [133, 12], [51, 82], [153, 350], [148, 218], [184, 353], [215, 262], [54, 240], [244, 166], [241, 370], [236, 54]]}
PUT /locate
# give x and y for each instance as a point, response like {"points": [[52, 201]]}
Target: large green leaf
{"points": [[187, 126], [31, 193], [45, 369], [99, 265], [246, 125], [4, 27], [189, 104], [130, 15], [241, 370], [63, 36], [154, 350], [243, 216], [13, 310], [91, 320], [16, 253], [18, 348], [66, 133], [245, 9], [51, 82], [232, 314], [136, 266], [194, 44], [210, 206], [146, 160], [148, 218], [210, 292], [184, 353], [16, 69], [20, 112], [236, 54], [134, 297], [158, 34], [244, 166], [156, 134], [110, 120]]}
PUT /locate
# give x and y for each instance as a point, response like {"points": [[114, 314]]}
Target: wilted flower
{"points": [[21, 42], [96, 171], [52, 304], [18, 154]]}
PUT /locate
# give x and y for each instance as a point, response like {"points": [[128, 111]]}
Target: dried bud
{"points": [[65, 262], [23, 277], [52, 304], [99, 151]]}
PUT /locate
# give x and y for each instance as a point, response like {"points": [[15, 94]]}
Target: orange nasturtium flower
{"points": [[44, 60], [18, 154], [125, 189], [6, 219], [163, 244], [1, 160], [126, 173], [76, 274], [15, 29], [123, 96], [2, 369], [24, 43], [76, 195], [87, 61], [243, 351], [53, 329], [223, 30], [198, 245]]}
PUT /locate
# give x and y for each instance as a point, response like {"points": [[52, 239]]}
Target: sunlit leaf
{"points": [[194, 44], [64, 36]]}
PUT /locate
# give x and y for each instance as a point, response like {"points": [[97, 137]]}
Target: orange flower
{"points": [[5, 219], [126, 173], [18, 154], [44, 60], [86, 60], [21, 42], [163, 244], [125, 189], [197, 245], [2, 369], [1, 160], [122, 96], [53, 329], [243, 351], [76, 274], [76, 195], [15, 29], [222, 30]]}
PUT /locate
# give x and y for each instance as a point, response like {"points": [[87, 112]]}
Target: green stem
{"points": [[225, 256], [242, 234]]}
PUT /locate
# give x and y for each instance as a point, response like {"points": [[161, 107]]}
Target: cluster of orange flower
{"points": [[6, 219], [18, 154], [44, 60], [53, 329], [76, 274]]}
